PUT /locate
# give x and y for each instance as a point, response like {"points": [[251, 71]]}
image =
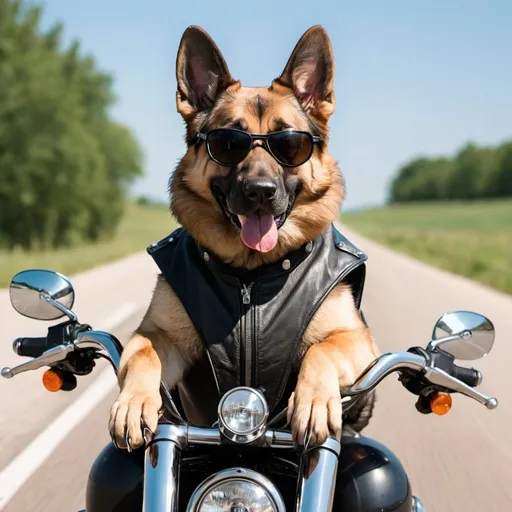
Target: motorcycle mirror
{"points": [[464, 335], [42, 294]]}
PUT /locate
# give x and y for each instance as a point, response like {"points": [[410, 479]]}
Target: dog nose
{"points": [[260, 190]]}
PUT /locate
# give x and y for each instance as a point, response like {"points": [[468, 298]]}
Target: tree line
{"points": [[65, 164], [474, 172]]}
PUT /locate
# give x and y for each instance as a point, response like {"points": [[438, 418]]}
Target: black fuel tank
{"points": [[370, 478]]}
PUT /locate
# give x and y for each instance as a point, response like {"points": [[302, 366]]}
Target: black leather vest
{"points": [[252, 322]]}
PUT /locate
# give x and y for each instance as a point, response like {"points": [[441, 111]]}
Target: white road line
{"points": [[19, 470]]}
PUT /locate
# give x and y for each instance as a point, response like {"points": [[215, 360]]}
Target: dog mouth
{"points": [[258, 230]]}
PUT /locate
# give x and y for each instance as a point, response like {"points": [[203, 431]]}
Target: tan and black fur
{"points": [[337, 346]]}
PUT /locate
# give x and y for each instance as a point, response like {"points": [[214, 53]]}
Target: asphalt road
{"points": [[457, 463]]}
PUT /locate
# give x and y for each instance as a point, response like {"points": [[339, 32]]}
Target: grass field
{"points": [[473, 239], [470, 239], [140, 227]]}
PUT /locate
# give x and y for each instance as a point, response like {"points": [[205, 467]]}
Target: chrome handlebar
{"points": [[197, 436], [396, 361], [101, 340], [384, 366], [97, 340], [367, 381]]}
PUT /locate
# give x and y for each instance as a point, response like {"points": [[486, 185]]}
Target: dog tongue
{"points": [[259, 232]]}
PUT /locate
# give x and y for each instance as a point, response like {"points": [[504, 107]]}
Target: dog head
{"points": [[257, 180]]}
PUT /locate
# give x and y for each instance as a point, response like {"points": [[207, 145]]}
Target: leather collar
{"points": [[286, 264]]}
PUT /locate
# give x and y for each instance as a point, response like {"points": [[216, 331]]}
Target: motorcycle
{"points": [[241, 463]]}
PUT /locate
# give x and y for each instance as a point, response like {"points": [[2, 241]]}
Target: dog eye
{"points": [[281, 125], [238, 124]]}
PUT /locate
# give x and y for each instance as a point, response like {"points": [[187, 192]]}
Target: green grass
{"points": [[469, 239], [139, 227]]}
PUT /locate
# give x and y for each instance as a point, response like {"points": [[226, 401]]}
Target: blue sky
{"points": [[411, 77]]}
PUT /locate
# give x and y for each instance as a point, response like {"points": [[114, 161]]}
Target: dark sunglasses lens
{"points": [[291, 148], [229, 147]]}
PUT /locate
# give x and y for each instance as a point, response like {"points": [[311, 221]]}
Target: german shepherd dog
{"points": [[236, 202]]}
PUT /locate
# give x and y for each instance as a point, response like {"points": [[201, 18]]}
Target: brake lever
{"points": [[444, 379], [53, 355]]}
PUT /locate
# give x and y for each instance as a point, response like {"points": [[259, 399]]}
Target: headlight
{"points": [[236, 490], [243, 414]]}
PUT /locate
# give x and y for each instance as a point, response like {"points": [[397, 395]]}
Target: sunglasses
{"points": [[229, 147]]}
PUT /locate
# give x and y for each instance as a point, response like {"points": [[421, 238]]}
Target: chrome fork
{"points": [[317, 477], [162, 469]]}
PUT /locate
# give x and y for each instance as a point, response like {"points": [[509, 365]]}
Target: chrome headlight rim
{"points": [[233, 475], [243, 437]]}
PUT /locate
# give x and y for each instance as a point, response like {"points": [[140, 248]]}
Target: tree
{"points": [[64, 163], [473, 173], [469, 167], [498, 181]]}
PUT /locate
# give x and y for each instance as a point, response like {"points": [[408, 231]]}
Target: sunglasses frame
{"points": [[204, 136]]}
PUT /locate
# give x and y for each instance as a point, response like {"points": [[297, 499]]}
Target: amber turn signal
{"points": [[53, 380], [440, 403]]}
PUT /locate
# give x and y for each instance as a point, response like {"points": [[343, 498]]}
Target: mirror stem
{"points": [[63, 309], [433, 344]]}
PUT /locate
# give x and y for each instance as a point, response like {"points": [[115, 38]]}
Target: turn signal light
{"points": [[440, 403], [53, 380]]}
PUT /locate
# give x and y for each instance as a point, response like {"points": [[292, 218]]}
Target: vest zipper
{"points": [[246, 293], [246, 332]]}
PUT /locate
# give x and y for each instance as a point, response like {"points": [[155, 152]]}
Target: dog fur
{"points": [[337, 345]]}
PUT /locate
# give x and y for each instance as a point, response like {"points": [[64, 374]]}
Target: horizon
{"points": [[411, 80]]}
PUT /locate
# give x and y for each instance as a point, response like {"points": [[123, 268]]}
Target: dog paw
{"points": [[314, 410], [130, 415]]}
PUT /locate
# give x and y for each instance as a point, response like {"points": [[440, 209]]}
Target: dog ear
{"points": [[201, 72], [309, 72]]}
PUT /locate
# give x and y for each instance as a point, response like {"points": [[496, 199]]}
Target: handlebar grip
{"points": [[469, 376], [30, 347]]}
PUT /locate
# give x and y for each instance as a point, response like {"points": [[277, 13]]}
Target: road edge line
{"points": [[26, 463]]}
